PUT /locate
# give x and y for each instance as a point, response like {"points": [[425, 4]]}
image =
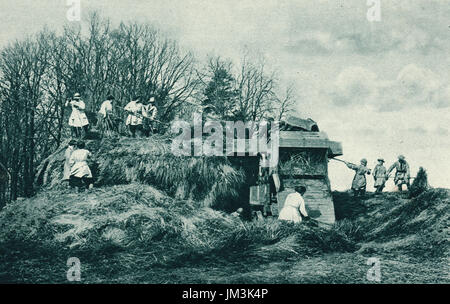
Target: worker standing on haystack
{"points": [[149, 112], [359, 180], [380, 176], [134, 119], [78, 120], [402, 174], [80, 173], [67, 155], [106, 123], [294, 206]]}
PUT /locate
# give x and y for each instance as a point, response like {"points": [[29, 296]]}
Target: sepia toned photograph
{"points": [[224, 142]]}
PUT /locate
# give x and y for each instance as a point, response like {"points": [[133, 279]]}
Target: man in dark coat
{"points": [[359, 180]]}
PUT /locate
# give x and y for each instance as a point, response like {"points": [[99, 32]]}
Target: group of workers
{"points": [[380, 175], [294, 206], [141, 116], [140, 119]]}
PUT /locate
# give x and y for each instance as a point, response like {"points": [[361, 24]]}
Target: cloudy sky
{"points": [[381, 88]]}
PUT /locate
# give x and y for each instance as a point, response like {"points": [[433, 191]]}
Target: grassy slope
{"points": [[137, 234]]}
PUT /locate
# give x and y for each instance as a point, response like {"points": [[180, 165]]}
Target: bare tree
{"points": [[38, 75], [284, 105], [23, 65]]}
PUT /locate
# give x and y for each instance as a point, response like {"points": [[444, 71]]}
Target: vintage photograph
{"points": [[224, 142]]}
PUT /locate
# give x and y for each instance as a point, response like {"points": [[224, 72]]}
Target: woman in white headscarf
{"points": [[294, 206]]}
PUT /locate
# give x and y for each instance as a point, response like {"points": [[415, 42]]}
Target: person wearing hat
{"points": [[78, 120], [359, 180], [149, 112], [402, 174], [294, 206], [379, 175], [105, 122], [135, 115], [67, 155], [80, 173]]}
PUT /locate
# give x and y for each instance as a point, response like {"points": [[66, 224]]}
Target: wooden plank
{"points": [[259, 194]]}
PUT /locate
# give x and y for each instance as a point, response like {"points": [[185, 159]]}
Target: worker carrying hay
{"points": [[380, 176], [134, 119], [78, 120], [80, 174], [402, 174], [149, 112], [359, 180], [106, 122], [294, 206]]}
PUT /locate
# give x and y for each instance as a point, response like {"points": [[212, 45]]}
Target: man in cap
{"points": [[379, 176], [78, 120], [135, 115], [402, 174], [149, 112], [359, 180]]}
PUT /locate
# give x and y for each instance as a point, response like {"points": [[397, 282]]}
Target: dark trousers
{"points": [[134, 129], [148, 127], [80, 131], [80, 182], [400, 186], [359, 192], [379, 189]]}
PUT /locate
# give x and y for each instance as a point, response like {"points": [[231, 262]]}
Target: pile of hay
{"points": [[391, 222], [211, 180], [129, 223]]}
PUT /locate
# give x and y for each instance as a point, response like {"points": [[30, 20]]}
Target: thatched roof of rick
{"points": [[297, 132]]}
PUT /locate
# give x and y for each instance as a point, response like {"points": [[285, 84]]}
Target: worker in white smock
{"points": [[134, 118], [78, 120], [294, 206], [80, 173]]}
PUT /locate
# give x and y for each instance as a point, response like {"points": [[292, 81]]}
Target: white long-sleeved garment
{"points": [[78, 118], [78, 163], [105, 108], [290, 212], [135, 116]]}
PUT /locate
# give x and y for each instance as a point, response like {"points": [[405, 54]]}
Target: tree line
{"points": [[38, 74]]}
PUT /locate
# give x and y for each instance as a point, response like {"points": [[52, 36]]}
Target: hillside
{"points": [[139, 225]]}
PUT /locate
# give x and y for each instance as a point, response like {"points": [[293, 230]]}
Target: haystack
{"points": [[214, 181]]}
